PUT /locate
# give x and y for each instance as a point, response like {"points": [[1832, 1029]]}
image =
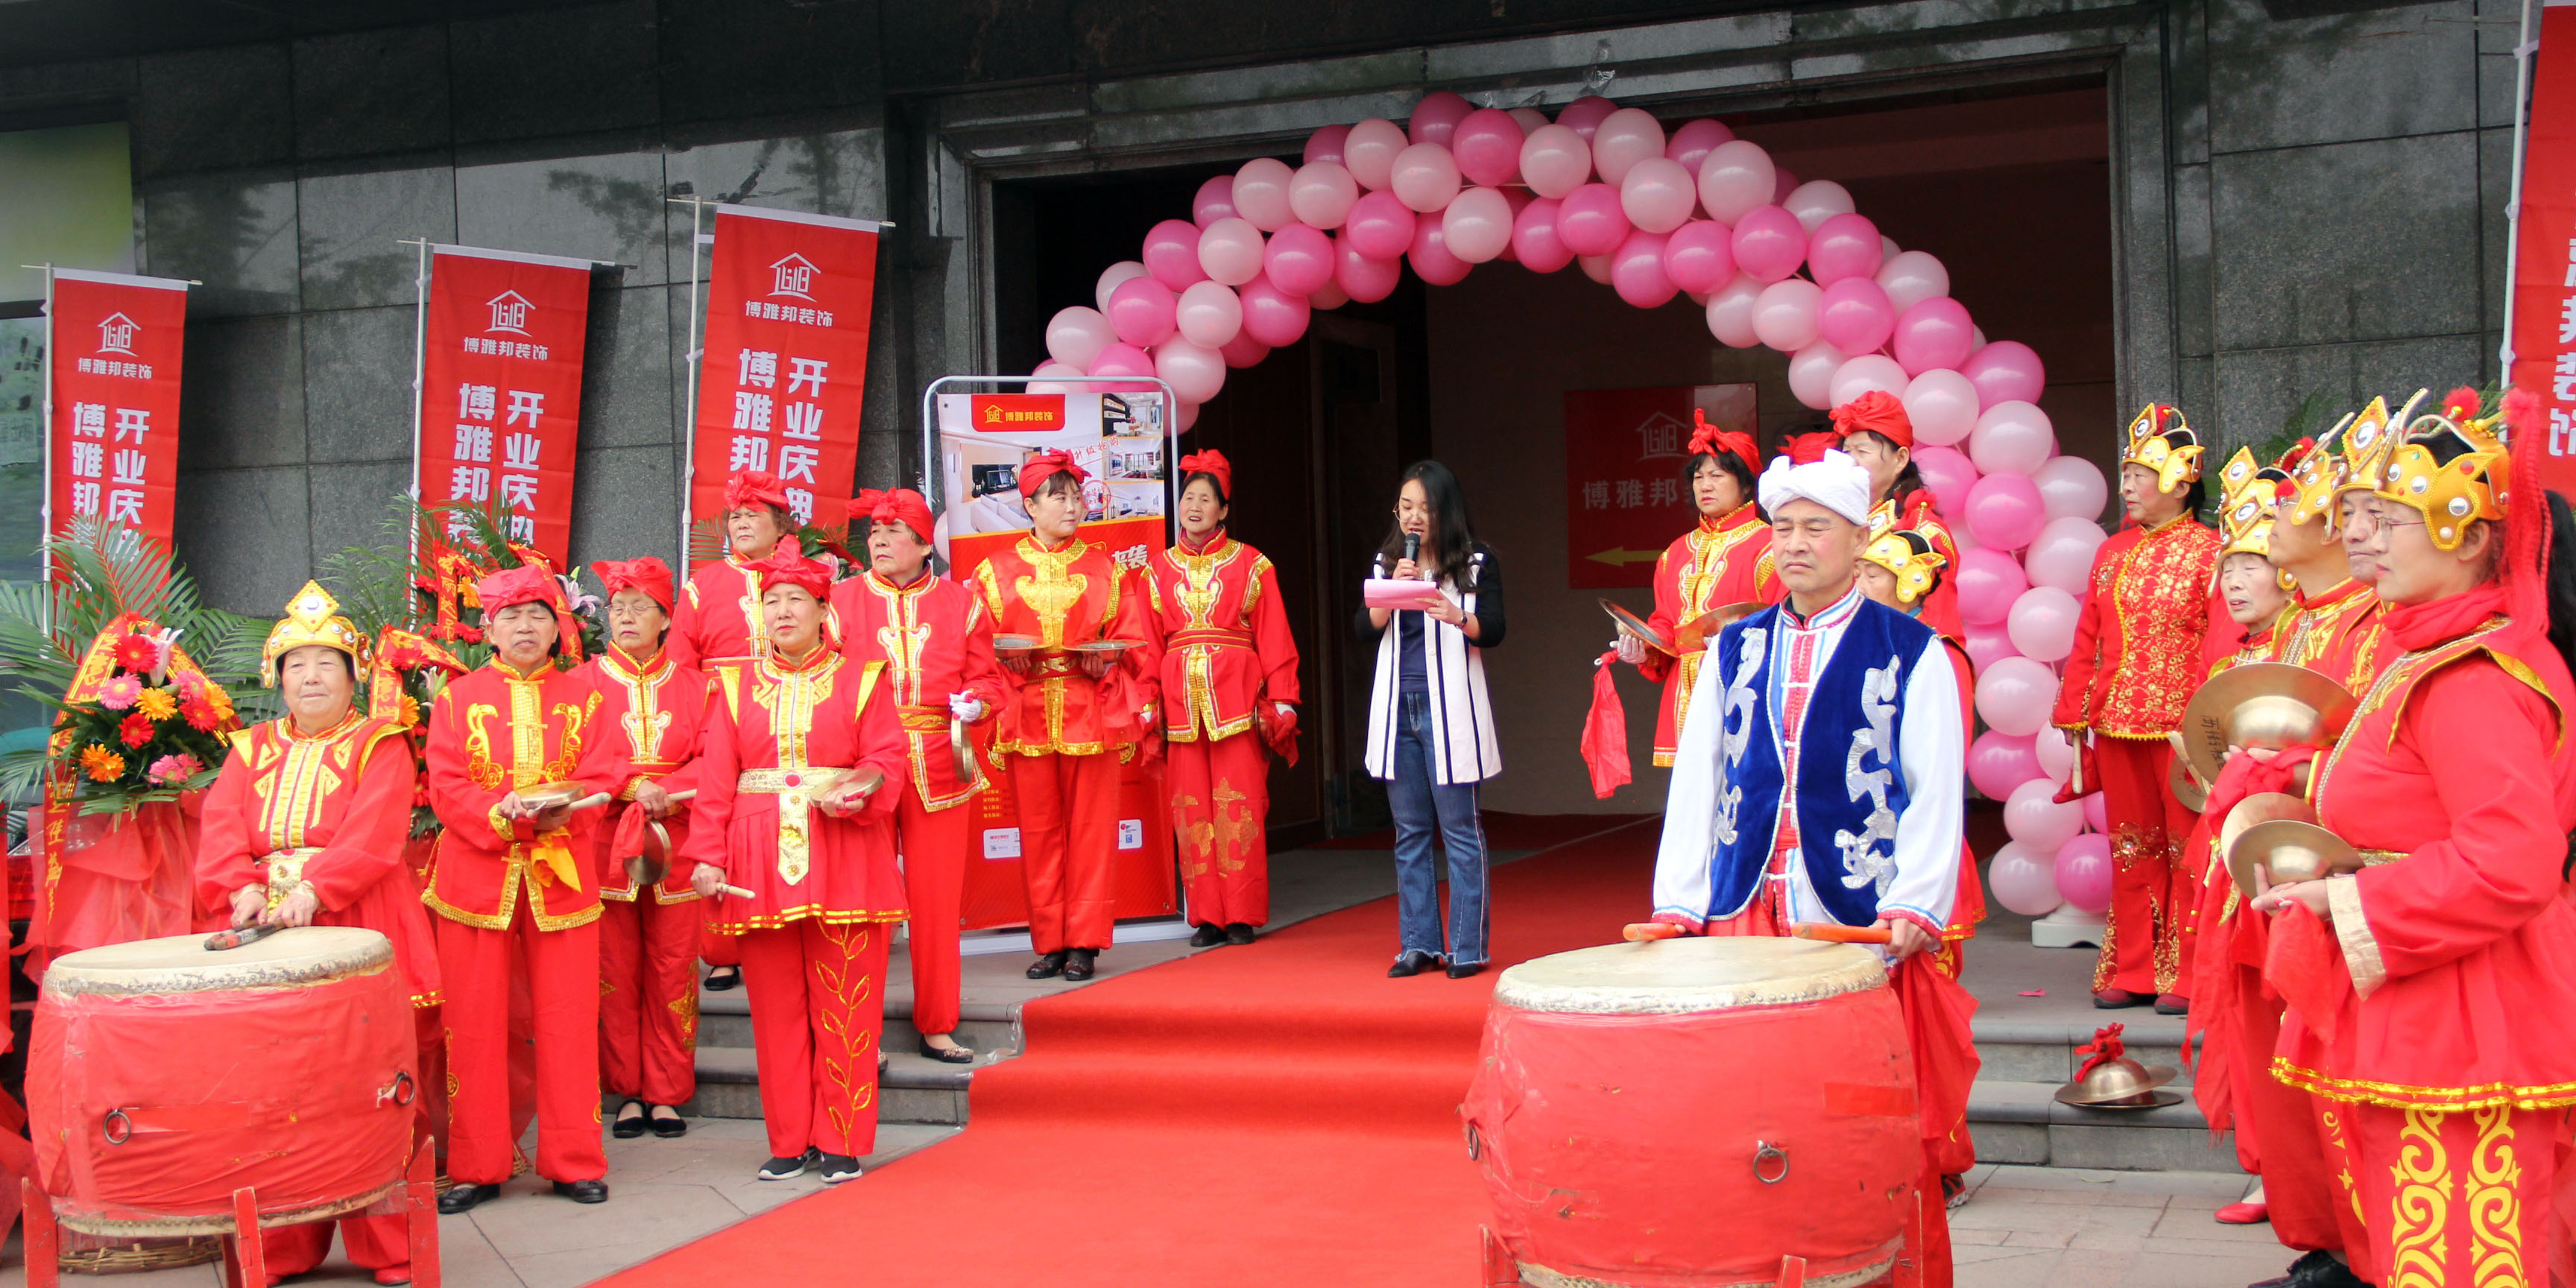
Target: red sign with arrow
{"points": [[1624, 495]]}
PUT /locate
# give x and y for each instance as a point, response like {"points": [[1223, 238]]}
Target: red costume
{"points": [[824, 891], [1064, 732], [935, 642], [1719, 562], [648, 719], [1884, 415], [518, 908]]}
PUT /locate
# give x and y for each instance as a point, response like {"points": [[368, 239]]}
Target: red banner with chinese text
{"points": [[500, 393], [113, 441], [1625, 499], [784, 372], [2544, 271]]}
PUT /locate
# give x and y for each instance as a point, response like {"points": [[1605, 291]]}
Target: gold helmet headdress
{"points": [[2245, 515], [2473, 485], [2160, 440], [312, 617], [2369, 442], [1910, 556]]}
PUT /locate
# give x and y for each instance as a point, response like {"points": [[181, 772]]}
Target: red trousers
{"points": [[648, 999], [375, 1242], [2153, 896], [715, 949], [1220, 794], [561, 968], [1068, 808], [817, 1004], [2277, 1124], [2467, 1197], [934, 845]]}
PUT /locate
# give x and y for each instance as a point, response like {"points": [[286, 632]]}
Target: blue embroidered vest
{"points": [[1850, 788]]}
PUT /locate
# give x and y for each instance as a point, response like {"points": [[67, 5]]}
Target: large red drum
{"points": [[1690, 1112], [163, 1077]]}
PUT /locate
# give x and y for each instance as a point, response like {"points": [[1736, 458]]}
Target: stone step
{"points": [[2044, 1051], [2022, 1122], [915, 1088], [724, 1020]]}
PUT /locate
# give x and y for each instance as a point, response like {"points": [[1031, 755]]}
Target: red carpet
{"points": [[1276, 1114]]}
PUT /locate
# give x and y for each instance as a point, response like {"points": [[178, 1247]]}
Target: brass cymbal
{"points": [[1638, 629], [2259, 808], [2286, 850], [546, 796], [654, 863], [2261, 704], [2120, 1083], [2186, 788], [1695, 632]]}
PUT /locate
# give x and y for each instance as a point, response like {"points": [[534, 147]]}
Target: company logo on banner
{"points": [[784, 373], [113, 443], [500, 394], [1625, 499], [2544, 275]]}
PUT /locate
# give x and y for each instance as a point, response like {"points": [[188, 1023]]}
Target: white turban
{"points": [[1837, 482]]}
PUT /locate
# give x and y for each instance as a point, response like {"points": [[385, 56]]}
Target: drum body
{"points": [[1688, 1112], [163, 1077]]}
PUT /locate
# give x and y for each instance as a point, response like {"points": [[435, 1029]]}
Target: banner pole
{"points": [[45, 511], [419, 379], [689, 413], [2524, 51]]}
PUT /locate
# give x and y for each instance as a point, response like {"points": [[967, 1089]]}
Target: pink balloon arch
{"points": [[1770, 260]]}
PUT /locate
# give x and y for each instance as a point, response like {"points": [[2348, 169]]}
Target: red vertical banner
{"points": [[500, 391], [2543, 337], [785, 368], [1625, 498], [112, 435]]}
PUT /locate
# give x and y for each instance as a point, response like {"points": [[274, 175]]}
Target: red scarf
{"points": [[2421, 626]]}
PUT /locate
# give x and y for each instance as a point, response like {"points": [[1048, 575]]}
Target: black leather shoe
{"points": [[1207, 936], [462, 1198], [2316, 1270], [1411, 963], [626, 1128], [946, 1054], [1079, 965], [583, 1191], [722, 978], [1238, 934], [1461, 970], [666, 1128], [1048, 966]]}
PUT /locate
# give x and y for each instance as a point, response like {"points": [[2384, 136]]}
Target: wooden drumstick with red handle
{"points": [[1644, 931], [1832, 933]]}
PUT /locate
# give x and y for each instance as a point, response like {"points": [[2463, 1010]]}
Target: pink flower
{"points": [[121, 693], [188, 684], [175, 769]]}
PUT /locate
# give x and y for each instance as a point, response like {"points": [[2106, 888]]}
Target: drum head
{"points": [[1679, 976], [181, 963]]}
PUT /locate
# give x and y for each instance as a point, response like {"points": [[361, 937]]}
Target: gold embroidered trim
{"points": [[2397, 1095]]}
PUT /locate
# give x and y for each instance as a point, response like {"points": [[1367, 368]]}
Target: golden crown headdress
{"points": [[1910, 557], [2368, 445], [2464, 416], [2249, 491], [2475, 485], [2317, 476], [2152, 444], [312, 617]]}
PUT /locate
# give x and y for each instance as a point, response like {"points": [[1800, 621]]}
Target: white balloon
{"points": [[1943, 406], [1076, 335], [2062, 554], [2056, 757], [1110, 278], [1816, 201], [2071, 487], [1210, 315], [2023, 882], [1785, 315], [2033, 817], [2011, 438], [1811, 374], [1887, 248], [1870, 372], [1195, 374], [1051, 367], [1734, 178], [1730, 313], [1911, 277], [2041, 623]]}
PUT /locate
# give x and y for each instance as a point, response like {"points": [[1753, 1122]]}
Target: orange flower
{"points": [[100, 764], [157, 704]]}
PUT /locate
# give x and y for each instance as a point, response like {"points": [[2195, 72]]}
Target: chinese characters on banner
{"points": [[1625, 499], [500, 393], [2544, 276], [785, 368], [113, 444]]}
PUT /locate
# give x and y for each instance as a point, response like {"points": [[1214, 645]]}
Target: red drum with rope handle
{"points": [[163, 1077], [1689, 1113]]}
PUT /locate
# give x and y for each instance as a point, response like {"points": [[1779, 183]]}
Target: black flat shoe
{"points": [[1459, 971], [1238, 934], [1207, 936], [583, 1191], [723, 978], [946, 1055], [1079, 966], [626, 1128], [670, 1127], [1048, 966], [1411, 963], [462, 1198]]}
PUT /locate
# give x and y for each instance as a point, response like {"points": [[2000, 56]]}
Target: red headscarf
{"points": [[1710, 439], [788, 568], [1877, 412], [755, 488], [530, 584], [896, 505], [1807, 449], [1035, 470], [647, 574], [1211, 462]]}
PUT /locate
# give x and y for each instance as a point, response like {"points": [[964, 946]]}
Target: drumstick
{"points": [[238, 936], [688, 794], [1643, 931], [1832, 933], [737, 892], [592, 801]]}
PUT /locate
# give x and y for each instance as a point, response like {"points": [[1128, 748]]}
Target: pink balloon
{"points": [[2011, 438], [1051, 367], [1368, 151], [1436, 117], [1735, 177], [1585, 114], [1487, 144], [1478, 225], [1431, 257], [1379, 226], [2062, 554], [1637, 270], [1326, 144], [2000, 762], [1947, 472], [1273, 316], [1555, 160], [1700, 255], [1814, 203], [1531, 118], [2005, 371], [1230, 250], [2084, 872], [2057, 761], [1195, 374], [2014, 696], [1811, 374], [1535, 242], [1868, 373], [1076, 335], [1261, 193], [2042, 623], [1298, 260], [1141, 312], [1111, 278], [1122, 360], [1184, 415], [1785, 315], [1911, 277], [1330, 295], [1692, 141], [1988, 582], [2022, 881], [2004, 511], [2096, 814], [1215, 201], [1844, 246], [1209, 315], [1591, 221], [1942, 405], [1243, 351], [2071, 487], [1853, 313], [1367, 278], [1730, 314], [1596, 267], [1425, 177], [1172, 254], [1932, 335], [1623, 139], [1784, 184], [1657, 195], [2033, 817], [1768, 243], [1988, 642], [1322, 193]]}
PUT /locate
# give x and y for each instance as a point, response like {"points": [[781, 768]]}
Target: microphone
{"points": [[1413, 545]]}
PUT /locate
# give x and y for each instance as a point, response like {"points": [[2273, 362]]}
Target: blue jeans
{"points": [[1421, 805]]}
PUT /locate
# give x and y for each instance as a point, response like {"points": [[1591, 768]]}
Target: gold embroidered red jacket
{"points": [[647, 725], [1717, 563], [2139, 641], [935, 639], [492, 732], [2337, 633], [716, 617], [1226, 644], [1061, 598]]}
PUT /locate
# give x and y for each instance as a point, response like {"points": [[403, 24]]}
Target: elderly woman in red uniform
{"points": [[305, 826], [1073, 714], [794, 839], [1875, 431], [649, 711], [1230, 672], [2431, 992], [2136, 662], [937, 646], [1717, 563]]}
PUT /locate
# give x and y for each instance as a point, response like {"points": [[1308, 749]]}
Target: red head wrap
{"points": [[1034, 471], [898, 505], [647, 574], [788, 568], [530, 584], [1807, 449], [1878, 412], [1211, 462], [1710, 439], [755, 488]]}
